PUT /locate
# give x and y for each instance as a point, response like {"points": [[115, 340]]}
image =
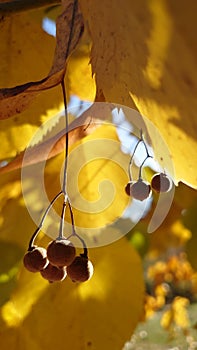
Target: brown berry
{"points": [[161, 183], [80, 270], [140, 190], [53, 273], [61, 252], [36, 259], [128, 188]]}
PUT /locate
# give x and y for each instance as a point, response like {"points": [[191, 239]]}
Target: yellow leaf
{"points": [[15, 133], [69, 28], [100, 313], [16, 225], [23, 57], [48, 141], [11, 255], [98, 171], [21, 32], [79, 80], [144, 56], [190, 221], [97, 175], [171, 233], [25, 62]]}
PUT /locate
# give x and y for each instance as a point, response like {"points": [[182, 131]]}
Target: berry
{"points": [[128, 188], [36, 259], [161, 183], [61, 252], [140, 190], [53, 273], [80, 270]]}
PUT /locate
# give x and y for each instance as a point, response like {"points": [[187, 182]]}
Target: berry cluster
{"points": [[141, 189], [58, 261]]}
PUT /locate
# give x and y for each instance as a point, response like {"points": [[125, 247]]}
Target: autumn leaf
{"points": [[86, 311], [49, 140], [44, 111], [144, 56], [97, 174], [173, 232], [18, 35], [13, 100], [92, 315], [75, 305], [79, 79], [52, 145]]}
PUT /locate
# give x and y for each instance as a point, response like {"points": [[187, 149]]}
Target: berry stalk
{"points": [[61, 229], [74, 233], [75, 4], [31, 242]]}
